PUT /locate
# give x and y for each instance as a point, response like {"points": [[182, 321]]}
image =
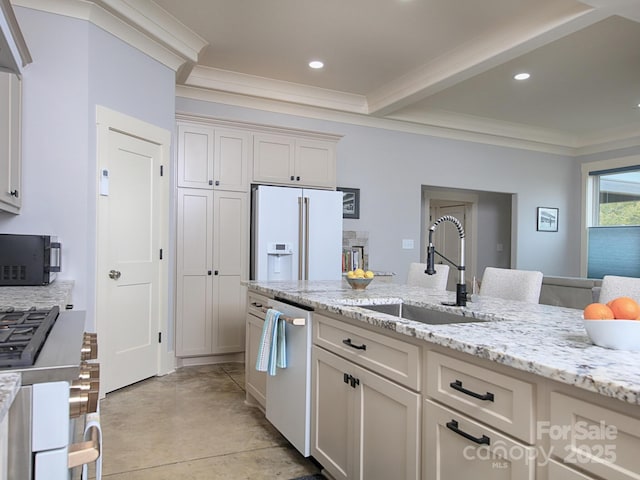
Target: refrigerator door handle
{"points": [[307, 201], [300, 237]]}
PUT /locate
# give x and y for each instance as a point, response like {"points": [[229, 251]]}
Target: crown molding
{"points": [[274, 106], [141, 24], [250, 85]]}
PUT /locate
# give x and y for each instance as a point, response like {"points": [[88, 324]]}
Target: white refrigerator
{"points": [[296, 234]]}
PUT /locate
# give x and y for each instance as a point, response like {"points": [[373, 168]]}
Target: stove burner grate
{"points": [[23, 334]]}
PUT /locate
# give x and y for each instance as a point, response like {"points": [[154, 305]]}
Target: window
{"points": [[614, 234], [618, 197]]}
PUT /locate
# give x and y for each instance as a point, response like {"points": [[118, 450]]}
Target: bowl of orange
{"points": [[614, 325]]}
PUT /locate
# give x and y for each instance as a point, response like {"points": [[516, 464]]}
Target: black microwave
{"points": [[28, 260]]}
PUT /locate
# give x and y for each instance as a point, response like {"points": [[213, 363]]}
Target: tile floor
{"points": [[193, 424]]}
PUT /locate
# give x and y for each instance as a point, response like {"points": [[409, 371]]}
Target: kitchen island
{"points": [[538, 356]]}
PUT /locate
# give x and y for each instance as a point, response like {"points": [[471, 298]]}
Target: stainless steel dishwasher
{"points": [[289, 390]]}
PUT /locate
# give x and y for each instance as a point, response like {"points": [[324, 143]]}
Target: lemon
{"points": [[368, 274], [351, 274], [359, 273]]}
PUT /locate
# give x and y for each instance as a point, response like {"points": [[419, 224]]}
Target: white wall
{"points": [[77, 66], [390, 168]]}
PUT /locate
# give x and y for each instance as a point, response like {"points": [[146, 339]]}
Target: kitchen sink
{"points": [[420, 314]]}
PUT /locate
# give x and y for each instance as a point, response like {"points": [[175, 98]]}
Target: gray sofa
{"points": [[572, 292]]}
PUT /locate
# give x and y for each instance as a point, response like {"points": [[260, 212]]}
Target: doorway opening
{"points": [[487, 221]]}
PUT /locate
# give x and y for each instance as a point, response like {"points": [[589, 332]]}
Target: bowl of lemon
{"points": [[359, 279]]}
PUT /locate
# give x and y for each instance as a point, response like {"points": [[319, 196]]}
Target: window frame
{"points": [[590, 198]]}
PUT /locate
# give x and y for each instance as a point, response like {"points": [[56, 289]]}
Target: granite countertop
{"points": [[42, 297], [545, 340], [9, 386]]}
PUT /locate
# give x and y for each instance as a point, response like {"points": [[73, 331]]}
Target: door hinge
{"points": [[162, 170], [160, 254], [159, 337]]}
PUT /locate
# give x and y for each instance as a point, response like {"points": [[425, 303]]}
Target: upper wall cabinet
{"points": [[213, 158], [289, 160], [10, 156], [13, 50]]}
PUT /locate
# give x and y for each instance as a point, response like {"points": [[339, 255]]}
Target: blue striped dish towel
{"points": [[272, 350]]}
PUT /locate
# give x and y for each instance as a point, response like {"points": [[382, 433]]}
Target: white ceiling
{"points": [[440, 63]]}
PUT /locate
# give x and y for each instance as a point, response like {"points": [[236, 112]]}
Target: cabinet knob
{"points": [[215, 272], [210, 182], [14, 193], [298, 178], [209, 272], [217, 182], [292, 178]]}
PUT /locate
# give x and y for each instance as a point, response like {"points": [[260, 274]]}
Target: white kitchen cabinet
{"points": [[212, 255], [194, 265], [456, 446], [10, 143], [255, 381], [212, 157], [290, 160], [593, 438], [355, 414], [506, 403], [230, 264]]}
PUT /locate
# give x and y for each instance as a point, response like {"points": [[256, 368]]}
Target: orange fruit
{"points": [[625, 308], [598, 311]]}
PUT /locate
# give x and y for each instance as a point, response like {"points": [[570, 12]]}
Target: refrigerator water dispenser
{"points": [[279, 261]]}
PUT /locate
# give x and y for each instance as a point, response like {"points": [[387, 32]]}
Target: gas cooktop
{"points": [[23, 334]]}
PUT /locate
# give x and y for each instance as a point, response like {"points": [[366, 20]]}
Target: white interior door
{"points": [[447, 240], [129, 267]]}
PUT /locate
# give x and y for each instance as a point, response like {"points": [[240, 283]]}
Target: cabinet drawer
{"points": [[500, 401], [391, 358], [594, 438], [458, 447], [255, 304]]}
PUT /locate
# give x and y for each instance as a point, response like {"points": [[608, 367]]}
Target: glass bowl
{"points": [[358, 283]]}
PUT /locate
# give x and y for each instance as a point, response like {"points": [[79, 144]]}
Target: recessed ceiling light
{"points": [[316, 64], [521, 76]]}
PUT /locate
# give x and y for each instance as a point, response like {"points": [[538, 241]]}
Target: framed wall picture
{"points": [[547, 219], [350, 202]]}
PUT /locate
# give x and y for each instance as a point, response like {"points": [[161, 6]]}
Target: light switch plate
{"points": [[407, 243]]}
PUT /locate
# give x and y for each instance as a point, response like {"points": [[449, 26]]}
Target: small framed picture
{"points": [[547, 219], [350, 202]]}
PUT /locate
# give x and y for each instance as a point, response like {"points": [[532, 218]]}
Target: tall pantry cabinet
{"points": [[212, 239]]}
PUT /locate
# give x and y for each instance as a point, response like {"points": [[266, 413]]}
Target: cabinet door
{"points": [[231, 160], [195, 156], [230, 253], [194, 276], [387, 428], [273, 159], [315, 163], [10, 143], [331, 414], [558, 471], [256, 382], [451, 454], [593, 438]]}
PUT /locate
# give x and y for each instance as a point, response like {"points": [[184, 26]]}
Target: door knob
{"points": [[115, 274]]}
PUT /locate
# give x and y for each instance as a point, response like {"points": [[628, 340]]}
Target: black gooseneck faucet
{"points": [[461, 287]]}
